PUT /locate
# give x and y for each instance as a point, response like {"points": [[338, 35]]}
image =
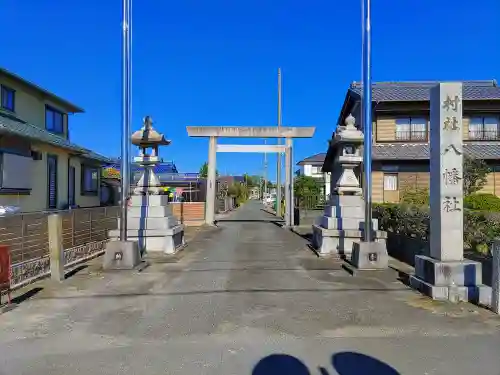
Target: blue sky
{"points": [[215, 62]]}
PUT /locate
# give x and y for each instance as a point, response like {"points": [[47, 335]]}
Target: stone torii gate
{"points": [[214, 132]]}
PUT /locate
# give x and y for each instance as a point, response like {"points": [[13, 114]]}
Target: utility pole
{"points": [[278, 160], [125, 133]]}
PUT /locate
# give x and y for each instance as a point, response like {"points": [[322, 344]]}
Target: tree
{"points": [[306, 186], [475, 173], [204, 171]]}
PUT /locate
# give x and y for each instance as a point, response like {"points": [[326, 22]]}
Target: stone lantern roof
{"points": [[148, 137]]}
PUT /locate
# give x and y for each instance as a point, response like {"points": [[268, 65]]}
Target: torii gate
{"points": [[214, 132]]}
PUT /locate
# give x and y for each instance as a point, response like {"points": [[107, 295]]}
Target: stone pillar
{"points": [[445, 274], [289, 143], [211, 182], [446, 173], [495, 269], [278, 184], [56, 250], [288, 178]]}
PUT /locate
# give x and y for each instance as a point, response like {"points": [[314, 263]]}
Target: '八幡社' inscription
{"points": [[451, 176], [451, 204]]}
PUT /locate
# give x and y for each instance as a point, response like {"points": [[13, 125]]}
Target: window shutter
{"points": [[52, 181]]}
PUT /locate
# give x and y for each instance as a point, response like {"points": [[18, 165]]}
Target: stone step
{"points": [[345, 212], [150, 211], [149, 200], [150, 222], [346, 223]]}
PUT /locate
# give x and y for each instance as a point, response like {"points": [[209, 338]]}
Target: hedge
{"points": [[482, 202], [480, 228]]}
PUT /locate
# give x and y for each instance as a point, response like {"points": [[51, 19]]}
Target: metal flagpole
{"points": [[367, 119], [125, 163], [278, 160]]}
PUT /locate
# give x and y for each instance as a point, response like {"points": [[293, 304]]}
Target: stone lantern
{"points": [[147, 139], [150, 220], [342, 224]]}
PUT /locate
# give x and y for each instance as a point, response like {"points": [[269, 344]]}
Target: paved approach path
{"points": [[245, 298]]}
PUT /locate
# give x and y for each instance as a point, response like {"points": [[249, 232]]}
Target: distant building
{"points": [[312, 167]]}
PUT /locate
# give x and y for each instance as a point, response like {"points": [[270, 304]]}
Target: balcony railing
{"points": [[411, 135], [484, 135]]}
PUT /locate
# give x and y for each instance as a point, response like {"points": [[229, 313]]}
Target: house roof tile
{"points": [[316, 159], [12, 125], [420, 91], [421, 151]]}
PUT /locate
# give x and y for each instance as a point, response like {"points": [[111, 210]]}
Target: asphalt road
{"points": [[246, 298]]}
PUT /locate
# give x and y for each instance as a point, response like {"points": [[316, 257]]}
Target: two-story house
{"points": [[40, 168], [401, 133], [312, 167]]}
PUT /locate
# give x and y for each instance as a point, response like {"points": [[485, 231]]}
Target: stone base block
{"points": [[480, 294], [448, 273], [450, 280], [149, 200], [346, 223], [135, 223], [121, 255], [346, 201], [339, 242], [370, 256], [167, 241], [351, 212], [149, 211]]}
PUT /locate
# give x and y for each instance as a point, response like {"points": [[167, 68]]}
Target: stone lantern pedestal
{"points": [[341, 227]]}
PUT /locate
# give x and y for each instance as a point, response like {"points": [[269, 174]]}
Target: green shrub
{"points": [[482, 202], [480, 228], [417, 197]]}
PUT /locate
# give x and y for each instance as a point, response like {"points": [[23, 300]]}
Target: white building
{"points": [[311, 166]]}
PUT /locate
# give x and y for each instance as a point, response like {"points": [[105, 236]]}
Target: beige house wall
{"points": [[30, 104], [37, 200]]}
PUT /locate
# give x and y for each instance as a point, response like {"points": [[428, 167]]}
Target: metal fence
{"points": [[84, 234]]}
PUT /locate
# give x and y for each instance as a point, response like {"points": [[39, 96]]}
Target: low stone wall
{"points": [[189, 213]]}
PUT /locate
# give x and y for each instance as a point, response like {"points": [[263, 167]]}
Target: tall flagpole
{"points": [[125, 162], [278, 160], [367, 118]]}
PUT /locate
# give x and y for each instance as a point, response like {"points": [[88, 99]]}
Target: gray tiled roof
{"points": [[420, 151], [419, 91], [12, 125], [317, 159]]}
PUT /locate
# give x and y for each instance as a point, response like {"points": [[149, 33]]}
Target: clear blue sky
{"points": [[215, 62]]}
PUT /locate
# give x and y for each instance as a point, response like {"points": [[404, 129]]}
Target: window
{"points": [[10, 178], [390, 182], [54, 120], [411, 129], [90, 180], [483, 128], [8, 98], [315, 170]]}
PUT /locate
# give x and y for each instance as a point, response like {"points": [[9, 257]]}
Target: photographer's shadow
{"points": [[344, 363]]}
